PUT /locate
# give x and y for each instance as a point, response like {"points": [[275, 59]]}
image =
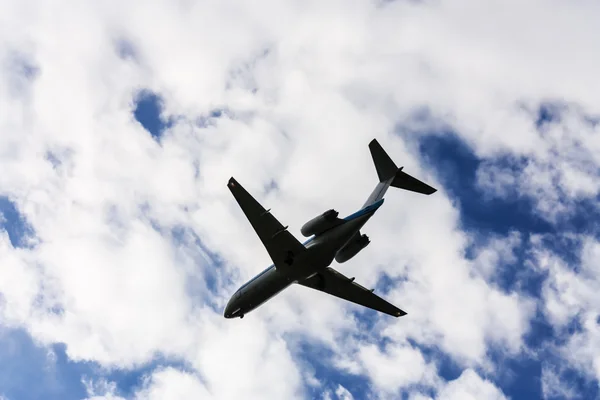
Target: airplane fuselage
{"points": [[320, 253]]}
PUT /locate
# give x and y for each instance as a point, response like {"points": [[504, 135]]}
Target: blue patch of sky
{"points": [[585, 386], [519, 276], [148, 112], [18, 229], [31, 371], [519, 377], [366, 318], [385, 283], [447, 368], [483, 217], [566, 247], [522, 374], [548, 113], [456, 166], [320, 359], [27, 371], [583, 219]]}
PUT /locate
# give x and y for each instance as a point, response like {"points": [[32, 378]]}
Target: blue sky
{"points": [[455, 166], [121, 245]]}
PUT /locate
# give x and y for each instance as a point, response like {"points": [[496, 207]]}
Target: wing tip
{"points": [[231, 183]]}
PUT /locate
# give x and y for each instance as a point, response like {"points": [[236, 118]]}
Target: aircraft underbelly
{"points": [[334, 240], [265, 287], [317, 257]]}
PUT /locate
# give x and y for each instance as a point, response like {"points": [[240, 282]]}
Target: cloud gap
{"points": [[549, 113], [20, 232], [456, 165], [447, 367], [331, 375], [519, 377], [25, 362], [148, 112]]}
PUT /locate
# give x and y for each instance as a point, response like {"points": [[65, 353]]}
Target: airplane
{"points": [[308, 263]]}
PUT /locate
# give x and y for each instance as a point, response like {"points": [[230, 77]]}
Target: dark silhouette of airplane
{"points": [[332, 238]]}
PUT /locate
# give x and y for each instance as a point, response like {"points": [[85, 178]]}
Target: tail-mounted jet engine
{"points": [[352, 249], [319, 224]]}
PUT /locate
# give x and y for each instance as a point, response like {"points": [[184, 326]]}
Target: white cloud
{"points": [[172, 384], [399, 367], [343, 394], [244, 359], [497, 252], [470, 386], [116, 291], [562, 171], [555, 387], [450, 305], [571, 295], [100, 389], [418, 396]]}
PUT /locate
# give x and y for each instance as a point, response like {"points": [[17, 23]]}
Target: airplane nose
{"points": [[228, 310], [231, 308]]}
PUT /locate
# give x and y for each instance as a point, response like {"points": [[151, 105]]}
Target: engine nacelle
{"points": [[319, 224], [352, 249]]}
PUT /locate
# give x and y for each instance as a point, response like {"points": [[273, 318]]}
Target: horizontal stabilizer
{"points": [[407, 182]]}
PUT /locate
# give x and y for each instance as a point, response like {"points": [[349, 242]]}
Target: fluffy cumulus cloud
{"points": [[122, 122]]}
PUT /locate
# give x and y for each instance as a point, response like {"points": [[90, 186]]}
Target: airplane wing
{"points": [[281, 245], [332, 282]]}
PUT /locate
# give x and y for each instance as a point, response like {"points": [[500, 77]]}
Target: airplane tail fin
{"points": [[387, 169]]}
